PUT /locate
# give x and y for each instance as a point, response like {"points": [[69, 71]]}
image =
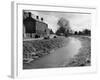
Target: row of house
{"points": [[34, 27]]}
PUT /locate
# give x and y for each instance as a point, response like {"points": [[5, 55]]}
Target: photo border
{"points": [[17, 69]]}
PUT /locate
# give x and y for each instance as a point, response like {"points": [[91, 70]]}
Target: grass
{"points": [[43, 47], [84, 56]]}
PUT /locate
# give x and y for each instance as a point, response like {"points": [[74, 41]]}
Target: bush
{"points": [[37, 36], [46, 37]]}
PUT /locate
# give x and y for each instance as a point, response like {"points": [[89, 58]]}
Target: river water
{"points": [[59, 57]]}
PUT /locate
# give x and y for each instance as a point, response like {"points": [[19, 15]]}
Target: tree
{"points": [[80, 33], [63, 27], [76, 33], [86, 32], [61, 30]]}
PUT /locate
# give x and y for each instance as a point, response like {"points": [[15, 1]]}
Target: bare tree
{"points": [[64, 26]]}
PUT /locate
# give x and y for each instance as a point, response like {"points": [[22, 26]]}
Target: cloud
{"points": [[52, 22]]}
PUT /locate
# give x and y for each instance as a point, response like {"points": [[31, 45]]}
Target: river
{"points": [[59, 57]]}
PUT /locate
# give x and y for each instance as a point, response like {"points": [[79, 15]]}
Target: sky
{"points": [[77, 21]]}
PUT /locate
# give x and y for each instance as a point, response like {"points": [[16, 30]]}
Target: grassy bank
{"points": [[43, 47], [84, 56]]}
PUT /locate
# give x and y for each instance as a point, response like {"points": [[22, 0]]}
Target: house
{"points": [[34, 27]]}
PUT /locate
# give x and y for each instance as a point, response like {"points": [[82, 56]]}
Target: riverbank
{"points": [[73, 51], [59, 56], [40, 48], [84, 56]]}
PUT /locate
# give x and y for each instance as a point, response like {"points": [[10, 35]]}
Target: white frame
{"points": [[17, 70]]}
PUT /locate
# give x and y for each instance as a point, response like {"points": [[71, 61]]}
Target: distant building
{"points": [[34, 28]]}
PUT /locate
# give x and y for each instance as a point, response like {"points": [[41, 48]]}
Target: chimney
{"points": [[41, 19], [37, 17], [30, 14]]}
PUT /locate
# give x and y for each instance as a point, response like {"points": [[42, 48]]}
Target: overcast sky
{"points": [[78, 21]]}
